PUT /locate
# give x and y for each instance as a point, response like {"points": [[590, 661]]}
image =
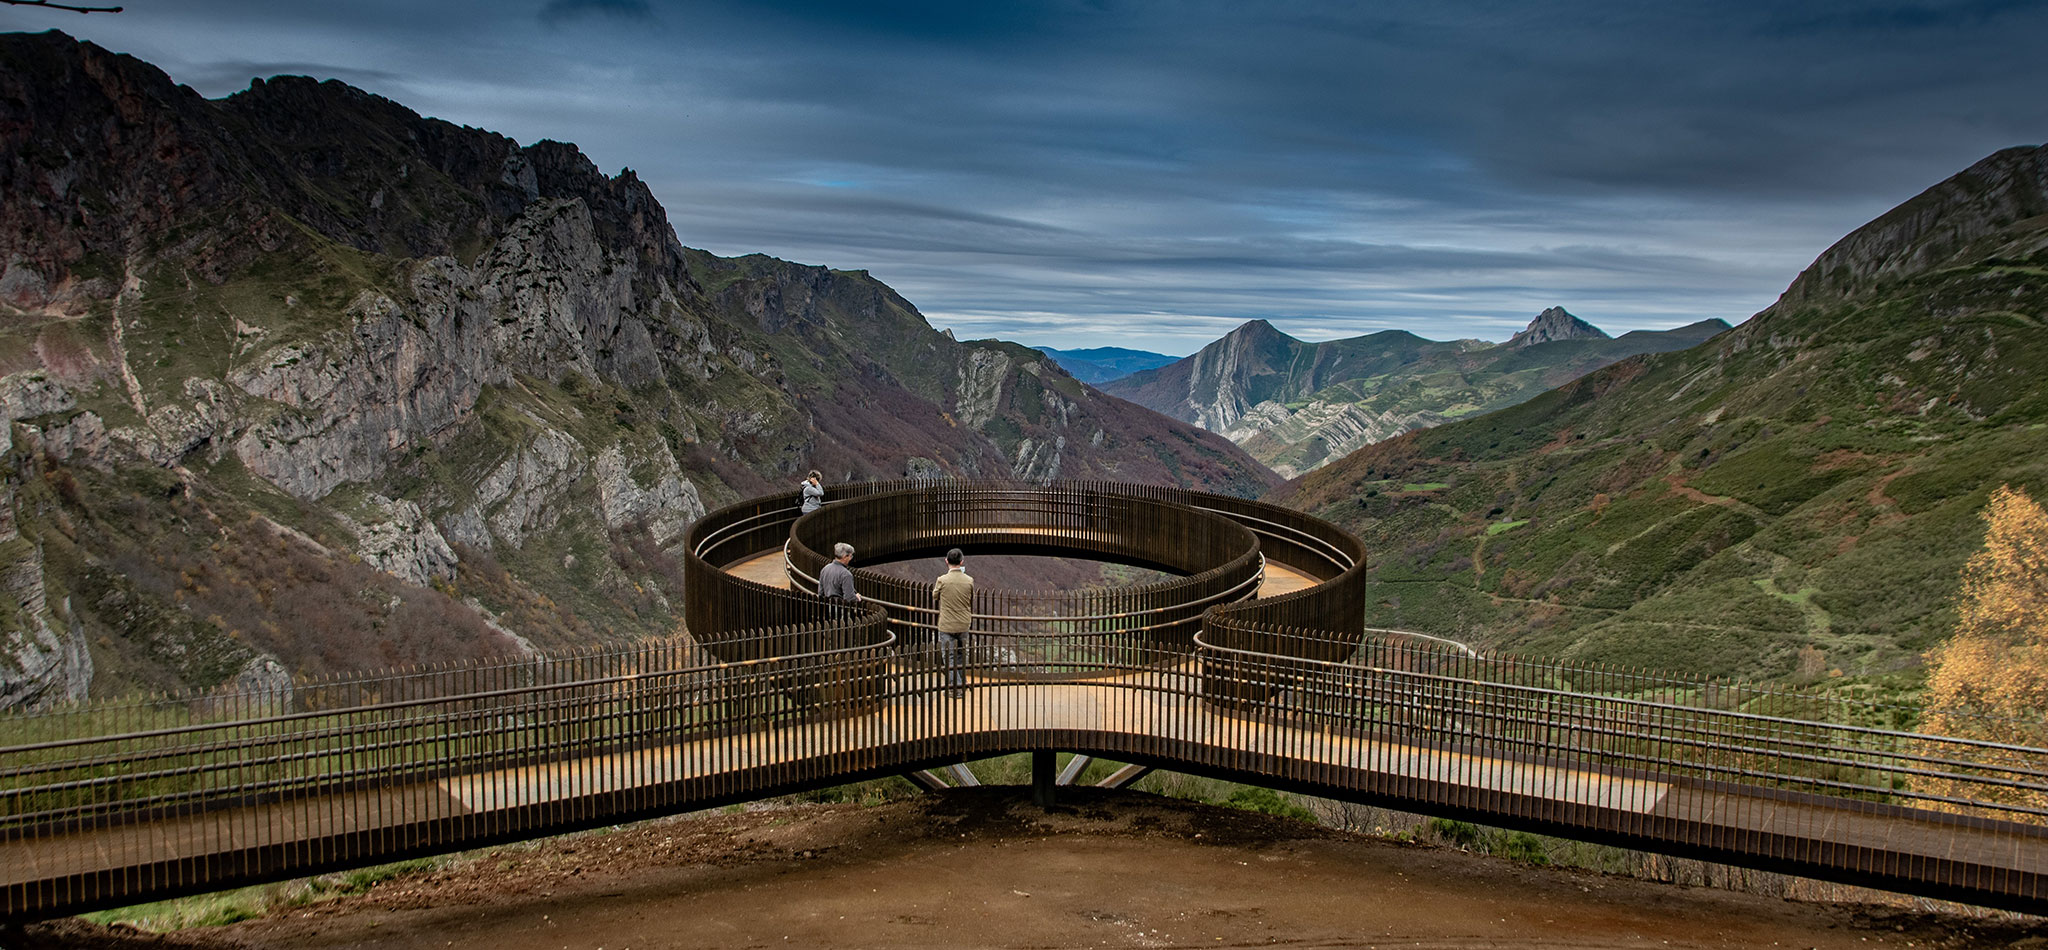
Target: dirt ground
{"points": [[983, 867]]}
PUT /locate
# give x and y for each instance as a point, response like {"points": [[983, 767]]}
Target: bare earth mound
{"points": [[984, 867]]}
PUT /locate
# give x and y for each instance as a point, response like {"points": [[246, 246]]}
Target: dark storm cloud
{"points": [[1133, 171], [562, 11], [922, 20]]}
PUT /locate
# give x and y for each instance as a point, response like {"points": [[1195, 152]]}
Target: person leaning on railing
{"points": [[813, 488], [835, 580], [956, 605]]}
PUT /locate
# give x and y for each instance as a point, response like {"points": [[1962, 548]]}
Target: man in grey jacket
{"points": [[835, 579]]}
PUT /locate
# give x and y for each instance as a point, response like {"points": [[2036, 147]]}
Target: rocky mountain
{"points": [[1554, 324], [298, 381], [1296, 406], [1101, 364], [1794, 497]]}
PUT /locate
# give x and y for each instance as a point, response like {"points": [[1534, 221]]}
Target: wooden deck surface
{"points": [[768, 569]]}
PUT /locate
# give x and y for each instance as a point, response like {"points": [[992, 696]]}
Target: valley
{"points": [[1298, 406]]}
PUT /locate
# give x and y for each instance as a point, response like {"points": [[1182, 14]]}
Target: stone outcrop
{"points": [[1221, 377], [666, 503], [404, 543], [43, 661], [982, 375]]}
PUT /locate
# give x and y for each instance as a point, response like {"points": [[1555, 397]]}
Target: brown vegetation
{"points": [[1990, 681]]}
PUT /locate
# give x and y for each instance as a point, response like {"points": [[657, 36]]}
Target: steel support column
{"points": [[1044, 776]]}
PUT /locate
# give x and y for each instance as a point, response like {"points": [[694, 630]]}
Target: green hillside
{"points": [[1808, 482]]}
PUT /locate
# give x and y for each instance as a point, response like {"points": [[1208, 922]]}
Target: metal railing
{"points": [[108, 803]]}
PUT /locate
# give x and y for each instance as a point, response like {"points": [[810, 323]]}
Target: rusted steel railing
{"points": [[108, 803]]}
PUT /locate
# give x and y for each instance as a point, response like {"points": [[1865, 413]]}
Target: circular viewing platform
{"points": [[1239, 574]]}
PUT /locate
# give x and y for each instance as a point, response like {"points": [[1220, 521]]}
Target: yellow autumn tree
{"points": [[1990, 680]]}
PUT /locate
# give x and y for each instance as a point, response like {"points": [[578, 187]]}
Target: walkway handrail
{"points": [[1778, 749]]}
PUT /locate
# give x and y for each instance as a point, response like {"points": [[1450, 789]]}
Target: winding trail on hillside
{"points": [[1676, 484]]}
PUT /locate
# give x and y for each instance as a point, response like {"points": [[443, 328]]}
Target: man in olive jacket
{"points": [[956, 603]]}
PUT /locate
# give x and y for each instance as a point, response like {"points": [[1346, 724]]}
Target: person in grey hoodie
{"points": [[814, 492]]}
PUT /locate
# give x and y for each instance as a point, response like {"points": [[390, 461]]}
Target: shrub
{"points": [[1521, 846], [1463, 834], [1269, 802]]}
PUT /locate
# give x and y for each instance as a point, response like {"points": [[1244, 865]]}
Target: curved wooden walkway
{"points": [[775, 692], [1141, 719]]}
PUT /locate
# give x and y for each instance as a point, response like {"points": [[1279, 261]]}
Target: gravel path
{"points": [[983, 867]]}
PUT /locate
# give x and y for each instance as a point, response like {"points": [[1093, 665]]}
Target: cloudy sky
{"points": [[1127, 172]]}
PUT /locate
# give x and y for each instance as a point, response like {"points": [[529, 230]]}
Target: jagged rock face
{"points": [[1328, 430], [1216, 386], [666, 505], [980, 389], [546, 301], [468, 363], [1296, 406], [40, 666], [1219, 391], [1556, 324]]}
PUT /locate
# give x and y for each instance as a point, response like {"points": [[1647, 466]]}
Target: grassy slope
{"points": [[1810, 479]]}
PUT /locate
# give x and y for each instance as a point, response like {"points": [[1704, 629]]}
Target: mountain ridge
{"points": [[1296, 405], [264, 356]]}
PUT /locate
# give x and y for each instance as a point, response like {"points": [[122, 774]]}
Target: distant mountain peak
{"points": [[1555, 324], [1103, 364], [1257, 330]]}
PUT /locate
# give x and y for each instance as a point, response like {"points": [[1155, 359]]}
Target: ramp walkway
{"points": [[115, 803]]}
